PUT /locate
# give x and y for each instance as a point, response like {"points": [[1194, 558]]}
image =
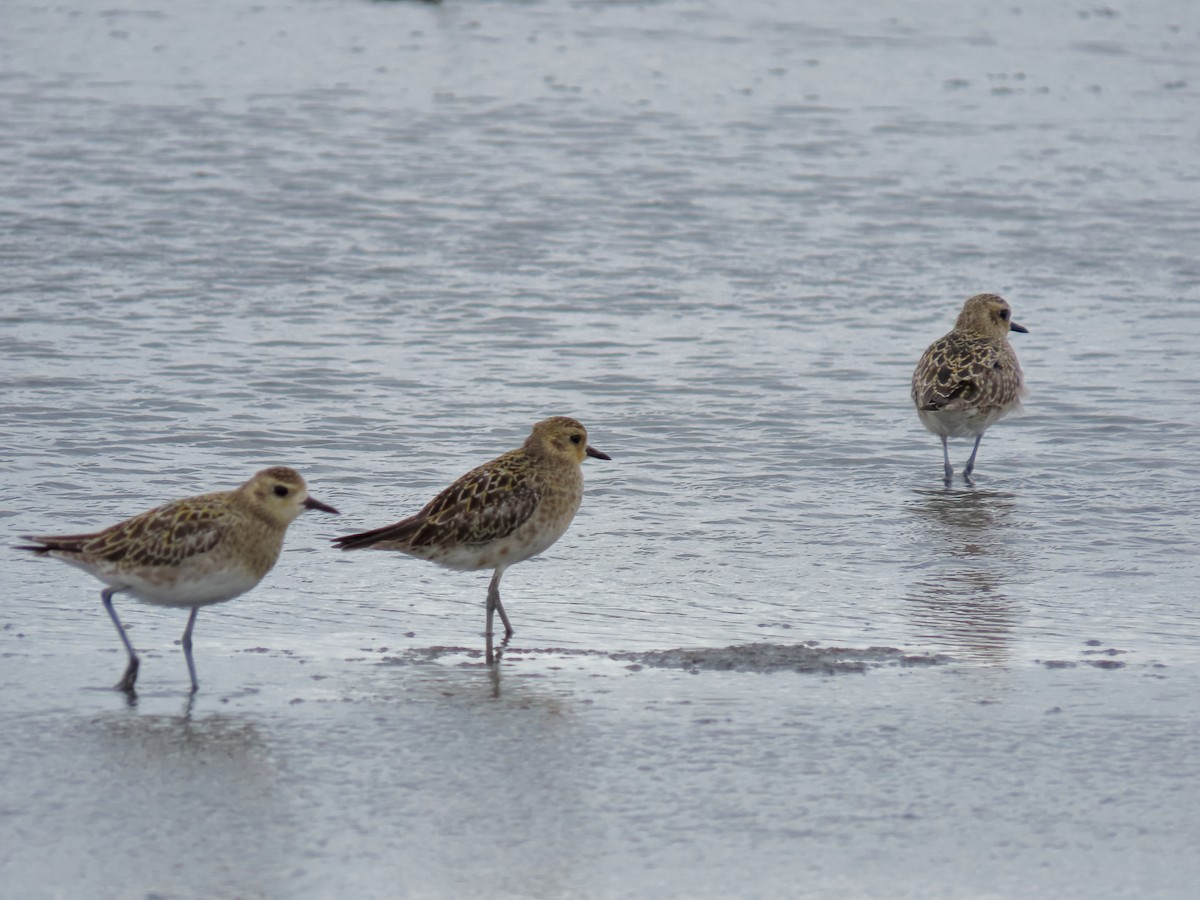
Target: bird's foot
{"points": [[129, 679]]}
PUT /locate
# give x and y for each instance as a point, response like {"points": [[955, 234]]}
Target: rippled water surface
{"points": [[773, 656]]}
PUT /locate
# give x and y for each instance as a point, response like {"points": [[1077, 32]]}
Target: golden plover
{"points": [[190, 553], [970, 377], [501, 513]]}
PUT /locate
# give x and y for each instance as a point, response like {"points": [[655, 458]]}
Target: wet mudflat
{"points": [[563, 774], [772, 656]]}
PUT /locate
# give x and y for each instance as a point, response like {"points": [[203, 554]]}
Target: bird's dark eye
{"points": [[1004, 313], [575, 438], [280, 491]]}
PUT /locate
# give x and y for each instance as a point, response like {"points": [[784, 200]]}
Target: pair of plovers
{"points": [[211, 548]]}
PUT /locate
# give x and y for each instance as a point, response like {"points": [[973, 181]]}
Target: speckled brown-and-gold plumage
{"points": [[161, 538], [487, 504], [500, 513], [969, 378], [240, 530], [192, 552]]}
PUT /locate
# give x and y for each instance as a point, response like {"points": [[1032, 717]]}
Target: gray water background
{"points": [[377, 241]]}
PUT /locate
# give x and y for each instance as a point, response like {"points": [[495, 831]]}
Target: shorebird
{"points": [[970, 377], [189, 553], [501, 513]]}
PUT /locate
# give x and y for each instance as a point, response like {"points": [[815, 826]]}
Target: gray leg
{"points": [[494, 651], [493, 592], [971, 462], [494, 605], [187, 648], [131, 671], [949, 469]]}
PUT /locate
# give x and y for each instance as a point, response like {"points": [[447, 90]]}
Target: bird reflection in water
{"points": [[957, 598], [164, 736]]}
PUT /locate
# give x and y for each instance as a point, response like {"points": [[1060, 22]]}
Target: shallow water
{"points": [[377, 241]]}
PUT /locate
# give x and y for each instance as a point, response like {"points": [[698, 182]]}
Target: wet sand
{"points": [[771, 657], [747, 771]]}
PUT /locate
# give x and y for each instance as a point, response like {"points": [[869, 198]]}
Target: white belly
{"points": [[186, 590], [527, 541], [960, 422]]}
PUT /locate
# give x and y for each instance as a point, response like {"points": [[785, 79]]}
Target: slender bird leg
{"points": [[491, 611], [187, 648], [494, 605], [494, 602], [493, 652], [130, 677], [949, 476], [971, 462]]}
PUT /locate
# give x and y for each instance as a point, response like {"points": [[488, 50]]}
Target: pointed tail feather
{"points": [[72, 543], [366, 539]]}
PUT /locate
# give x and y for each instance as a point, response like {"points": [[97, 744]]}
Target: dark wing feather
{"points": [[164, 536], [952, 373], [486, 504], [43, 544]]}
